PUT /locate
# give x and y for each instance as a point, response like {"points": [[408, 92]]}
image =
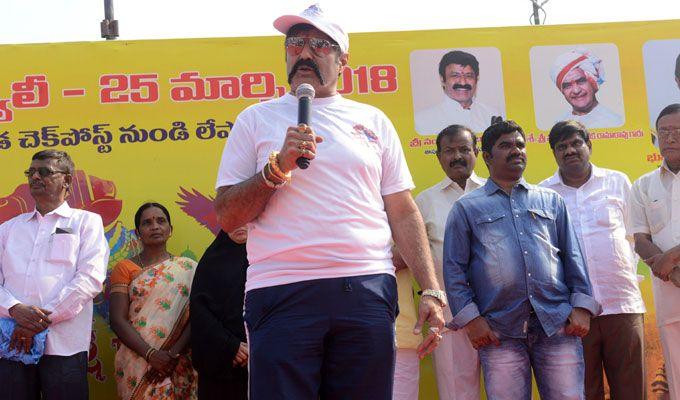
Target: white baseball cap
{"points": [[314, 16]]}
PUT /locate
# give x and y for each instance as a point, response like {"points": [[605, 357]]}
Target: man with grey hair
{"points": [[320, 290], [52, 264], [655, 225]]}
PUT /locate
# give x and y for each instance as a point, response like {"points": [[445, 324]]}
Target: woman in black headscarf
{"points": [[218, 339]]}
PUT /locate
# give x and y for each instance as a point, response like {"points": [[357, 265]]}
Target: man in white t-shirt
{"points": [[578, 75], [459, 77], [655, 224], [597, 201], [320, 291]]}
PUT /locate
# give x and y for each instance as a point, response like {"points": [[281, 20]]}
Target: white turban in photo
{"points": [[590, 64]]}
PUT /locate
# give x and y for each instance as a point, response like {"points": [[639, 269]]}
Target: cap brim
{"points": [[285, 22]]}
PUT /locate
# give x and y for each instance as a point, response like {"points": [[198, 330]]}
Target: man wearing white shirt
{"points": [[52, 264], [459, 76], [596, 199], [655, 224], [456, 362]]}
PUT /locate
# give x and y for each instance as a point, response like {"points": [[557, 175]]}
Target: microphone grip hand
{"points": [[299, 147], [304, 110]]}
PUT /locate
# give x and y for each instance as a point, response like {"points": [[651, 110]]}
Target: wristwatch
{"points": [[440, 295]]}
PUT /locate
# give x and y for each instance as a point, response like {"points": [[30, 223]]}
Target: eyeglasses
{"points": [[666, 133], [320, 47], [44, 172]]}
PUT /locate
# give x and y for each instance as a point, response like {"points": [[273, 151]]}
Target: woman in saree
{"points": [[149, 311]]}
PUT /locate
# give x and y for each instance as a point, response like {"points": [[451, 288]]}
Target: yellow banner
{"points": [[147, 120]]}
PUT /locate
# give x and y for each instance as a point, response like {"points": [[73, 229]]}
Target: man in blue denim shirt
{"points": [[516, 279]]}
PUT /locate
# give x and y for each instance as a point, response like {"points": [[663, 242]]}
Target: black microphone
{"points": [[305, 93]]}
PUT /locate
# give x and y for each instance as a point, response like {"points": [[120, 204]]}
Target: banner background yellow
{"points": [[156, 170]]}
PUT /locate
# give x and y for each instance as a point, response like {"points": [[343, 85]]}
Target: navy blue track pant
{"points": [[323, 339]]}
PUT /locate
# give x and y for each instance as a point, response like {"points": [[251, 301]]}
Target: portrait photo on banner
{"points": [[456, 86], [662, 75], [581, 82]]}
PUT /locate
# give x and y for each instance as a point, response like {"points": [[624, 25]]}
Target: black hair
{"points": [[460, 58], [140, 210], [565, 129], [493, 132], [669, 109], [677, 67], [453, 130], [63, 159]]}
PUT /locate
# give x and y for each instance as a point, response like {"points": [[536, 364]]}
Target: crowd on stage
{"points": [[307, 292]]}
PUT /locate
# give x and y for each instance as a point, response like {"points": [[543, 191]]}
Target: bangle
{"points": [[274, 167], [269, 173], [149, 352], [269, 183]]}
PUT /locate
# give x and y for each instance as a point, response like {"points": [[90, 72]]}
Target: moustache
{"points": [[306, 63], [511, 158], [460, 162], [457, 86]]}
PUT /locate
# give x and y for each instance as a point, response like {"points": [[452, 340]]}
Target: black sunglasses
{"points": [[44, 172]]}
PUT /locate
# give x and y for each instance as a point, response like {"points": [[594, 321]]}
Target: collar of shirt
{"points": [[63, 210], [472, 183], [556, 178], [455, 106], [490, 187], [665, 170]]}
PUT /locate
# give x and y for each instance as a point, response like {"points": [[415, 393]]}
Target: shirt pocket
{"points": [[608, 212], [63, 249], [657, 215], [542, 221], [490, 228]]}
